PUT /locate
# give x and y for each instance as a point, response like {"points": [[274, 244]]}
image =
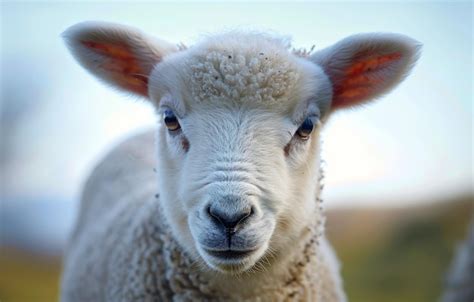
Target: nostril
{"points": [[229, 219], [213, 214], [210, 210], [252, 211], [246, 214]]}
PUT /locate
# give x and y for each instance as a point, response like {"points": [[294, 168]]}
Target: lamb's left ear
{"points": [[117, 54], [365, 66]]}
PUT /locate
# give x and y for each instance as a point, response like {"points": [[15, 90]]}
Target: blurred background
{"points": [[399, 172]]}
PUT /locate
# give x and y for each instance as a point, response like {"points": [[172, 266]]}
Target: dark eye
{"points": [[171, 121], [304, 131]]}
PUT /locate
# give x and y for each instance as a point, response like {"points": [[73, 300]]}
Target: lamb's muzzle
{"points": [[238, 214], [228, 223]]}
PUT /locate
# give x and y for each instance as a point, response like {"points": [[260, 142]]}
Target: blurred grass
{"points": [[27, 277], [399, 254], [387, 254]]}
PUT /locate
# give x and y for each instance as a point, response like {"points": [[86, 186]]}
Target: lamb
{"points": [[227, 207]]}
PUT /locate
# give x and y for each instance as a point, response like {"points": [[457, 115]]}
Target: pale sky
{"points": [[415, 143]]}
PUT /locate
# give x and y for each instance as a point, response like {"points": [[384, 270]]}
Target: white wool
{"points": [[261, 70]]}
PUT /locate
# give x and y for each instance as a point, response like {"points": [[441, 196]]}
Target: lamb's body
{"points": [[138, 259], [232, 212]]}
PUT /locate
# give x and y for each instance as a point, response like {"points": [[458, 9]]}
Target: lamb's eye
{"points": [[304, 131], [171, 121]]}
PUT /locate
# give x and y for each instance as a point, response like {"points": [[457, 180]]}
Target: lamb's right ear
{"points": [[119, 55]]}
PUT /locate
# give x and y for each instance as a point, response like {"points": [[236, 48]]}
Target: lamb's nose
{"points": [[229, 218]]}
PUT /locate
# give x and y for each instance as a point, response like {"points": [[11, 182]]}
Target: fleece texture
{"points": [[259, 70]]}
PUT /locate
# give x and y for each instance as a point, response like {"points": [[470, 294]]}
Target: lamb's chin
{"points": [[233, 264]]}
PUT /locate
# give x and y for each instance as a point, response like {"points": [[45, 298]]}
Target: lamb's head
{"points": [[240, 114]]}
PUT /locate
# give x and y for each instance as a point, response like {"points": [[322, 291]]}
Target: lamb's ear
{"points": [[365, 66], [119, 55]]}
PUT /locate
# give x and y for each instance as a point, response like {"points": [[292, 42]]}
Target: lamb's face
{"points": [[238, 150], [238, 136]]}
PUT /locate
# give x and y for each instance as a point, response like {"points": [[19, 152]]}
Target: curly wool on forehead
{"points": [[242, 68]]}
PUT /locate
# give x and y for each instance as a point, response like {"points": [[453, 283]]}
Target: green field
{"points": [[398, 255], [387, 254]]}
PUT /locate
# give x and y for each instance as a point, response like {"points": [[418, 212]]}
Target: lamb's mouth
{"points": [[231, 260], [230, 255]]}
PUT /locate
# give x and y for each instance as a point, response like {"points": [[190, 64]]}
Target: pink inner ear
{"points": [[359, 81], [121, 65]]}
